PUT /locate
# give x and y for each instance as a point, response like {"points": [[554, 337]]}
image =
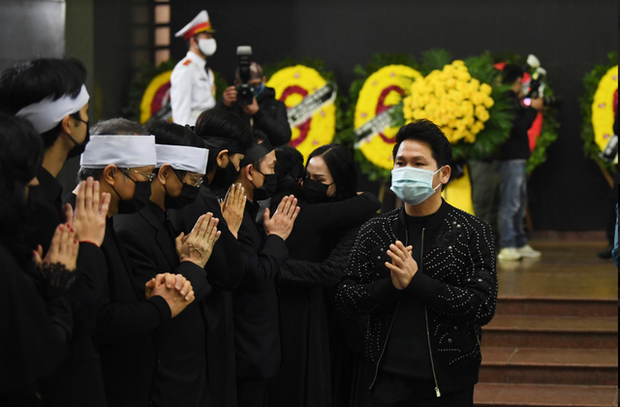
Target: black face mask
{"points": [[315, 191], [188, 196], [79, 148], [141, 196], [269, 188], [224, 177]]}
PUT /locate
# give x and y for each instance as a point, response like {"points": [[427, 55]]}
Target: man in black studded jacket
{"points": [[425, 274]]}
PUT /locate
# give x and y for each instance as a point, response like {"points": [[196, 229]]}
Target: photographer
{"points": [[513, 157], [265, 112]]}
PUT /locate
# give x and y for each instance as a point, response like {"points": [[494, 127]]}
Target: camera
{"points": [[245, 92], [535, 88]]}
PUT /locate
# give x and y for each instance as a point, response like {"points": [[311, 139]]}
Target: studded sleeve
{"points": [[365, 287], [474, 298]]}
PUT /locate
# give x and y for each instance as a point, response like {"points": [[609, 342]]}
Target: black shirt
{"points": [[517, 147], [407, 353]]}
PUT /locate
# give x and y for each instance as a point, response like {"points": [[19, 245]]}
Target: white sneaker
{"points": [[509, 254], [527, 251]]}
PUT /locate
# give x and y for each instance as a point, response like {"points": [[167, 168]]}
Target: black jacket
{"points": [[181, 376], [270, 118], [34, 332], [256, 314], [226, 267], [456, 282], [125, 326], [517, 147], [77, 381]]}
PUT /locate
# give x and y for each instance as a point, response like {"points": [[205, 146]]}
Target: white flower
{"points": [[533, 61], [542, 71]]}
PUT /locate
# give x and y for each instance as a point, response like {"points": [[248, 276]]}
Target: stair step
{"points": [[549, 366], [532, 395], [532, 331], [568, 307]]}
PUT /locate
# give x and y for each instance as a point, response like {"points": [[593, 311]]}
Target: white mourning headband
{"points": [[183, 158], [122, 151], [46, 114]]}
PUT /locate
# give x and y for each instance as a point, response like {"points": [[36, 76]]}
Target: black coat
{"points": [[33, 333], [517, 147], [271, 117], [125, 326], [456, 283], [256, 314], [77, 381], [305, 379], [225, 269], [181, 376]]}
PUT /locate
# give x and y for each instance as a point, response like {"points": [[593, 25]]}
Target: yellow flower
{"points": [[480, 111], [474, 83], [486, 89], [477, 98], [464, 76], [458, 62], [469, 121], [488, 102]]}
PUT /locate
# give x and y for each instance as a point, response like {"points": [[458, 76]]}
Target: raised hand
{"points": [[91, 212], [198, 245], [403, 267], [233, 207], [281, 224], [63, 249]]}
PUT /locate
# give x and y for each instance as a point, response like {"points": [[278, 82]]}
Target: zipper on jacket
{"points": [[387, 338], [428, 334]]}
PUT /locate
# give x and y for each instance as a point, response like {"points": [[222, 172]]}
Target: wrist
{"points": [[89, 241]]}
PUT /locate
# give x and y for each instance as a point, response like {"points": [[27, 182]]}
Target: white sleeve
{"points": [[181, 83]]}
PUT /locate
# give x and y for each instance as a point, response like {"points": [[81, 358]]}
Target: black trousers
{"points": [[397, 391], [251, 392]]}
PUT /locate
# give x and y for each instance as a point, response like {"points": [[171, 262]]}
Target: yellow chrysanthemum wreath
{"points": [[294, 83], [453, 100], [384, 88], [602, 107]]}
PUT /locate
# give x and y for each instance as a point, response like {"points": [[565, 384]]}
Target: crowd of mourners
{"points": [[214, 265]]}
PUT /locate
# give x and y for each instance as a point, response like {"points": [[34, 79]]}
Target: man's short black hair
{"points": [[30, 82], [174, 134], [225, 126], [511, 73], [427, 132]]}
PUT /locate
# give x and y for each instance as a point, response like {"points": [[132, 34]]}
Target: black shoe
{"points": [[606, 253]]}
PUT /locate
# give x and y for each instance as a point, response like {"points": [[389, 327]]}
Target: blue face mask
{"points": [[413, 185], [259, 89]]}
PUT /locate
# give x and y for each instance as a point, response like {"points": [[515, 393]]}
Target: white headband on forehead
{"points": [[183, 158], [122, 151], [46, 114]]}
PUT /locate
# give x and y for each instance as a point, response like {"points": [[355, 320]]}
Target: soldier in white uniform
{"points": [[192, 88]]}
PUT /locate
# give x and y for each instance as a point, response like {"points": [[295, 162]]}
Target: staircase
{"points": [[550, 352]]}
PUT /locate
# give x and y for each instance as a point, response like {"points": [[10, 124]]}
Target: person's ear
{"points": [[163, 172], [108, 174], [248, 172], [66, 124], [222, 159], [444, 174]]}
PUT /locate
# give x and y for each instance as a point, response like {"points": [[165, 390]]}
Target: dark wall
{"points": [[567, 193], [30, 29]]}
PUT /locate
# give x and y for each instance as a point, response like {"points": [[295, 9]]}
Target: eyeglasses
{"points": [[196, 181], [150, 177]]}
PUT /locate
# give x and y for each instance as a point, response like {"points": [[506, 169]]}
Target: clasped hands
{"points": [[174, 288], [403, 267]]}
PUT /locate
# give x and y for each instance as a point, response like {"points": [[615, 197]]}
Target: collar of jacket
{"points": [[400, 223]]}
